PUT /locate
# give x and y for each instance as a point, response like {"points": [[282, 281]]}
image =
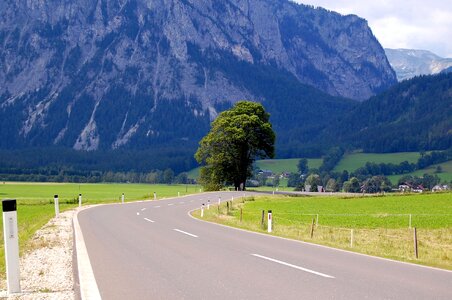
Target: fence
{"points": [[389, 235]]}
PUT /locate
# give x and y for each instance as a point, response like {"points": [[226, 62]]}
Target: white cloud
{"points": [[414, 24]]}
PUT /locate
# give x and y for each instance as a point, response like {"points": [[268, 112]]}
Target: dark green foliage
{"points": [[412, 116], [302, 166], [237, 137], [331, 159]]}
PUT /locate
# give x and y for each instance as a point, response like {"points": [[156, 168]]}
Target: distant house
{"points": [[438, 188], [411, 188], [266, 173]]}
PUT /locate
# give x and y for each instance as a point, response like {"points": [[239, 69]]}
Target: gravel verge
{"points": [[46, 271]]}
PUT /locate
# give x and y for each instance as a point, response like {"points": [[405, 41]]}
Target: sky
{"points": [[411, 24]]}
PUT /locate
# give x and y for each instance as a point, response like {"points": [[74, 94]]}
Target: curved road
{"points": [[155, 250]]}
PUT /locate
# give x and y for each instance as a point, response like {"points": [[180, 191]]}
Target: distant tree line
{"points": [[166, 176]]}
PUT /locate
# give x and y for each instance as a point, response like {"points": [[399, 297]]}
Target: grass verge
{"points": [[380, 225]]}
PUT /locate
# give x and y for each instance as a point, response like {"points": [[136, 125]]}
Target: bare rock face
{"points": [[113, 73], [408, 63]]}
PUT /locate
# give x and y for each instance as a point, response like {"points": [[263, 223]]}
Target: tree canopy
{"points": [[237, 137]]}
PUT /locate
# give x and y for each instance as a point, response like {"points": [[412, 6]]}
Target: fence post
{"points": [[415, 243], [263, 216], [312, 227], [227, 207], [351, 238]]}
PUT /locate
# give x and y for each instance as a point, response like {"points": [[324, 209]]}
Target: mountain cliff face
{"points": [[408, 63], [108, 74]]}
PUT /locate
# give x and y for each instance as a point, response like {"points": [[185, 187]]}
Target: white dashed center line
{"points": [[293, 266], [192, 235], [170, 204], [143, 209], [149, 220]]}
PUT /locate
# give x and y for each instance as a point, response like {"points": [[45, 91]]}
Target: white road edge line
{"points": [[149, 220], [192, 235], [87, 281], [143, 209], [158, 206], [293, 266], [170, 204]]}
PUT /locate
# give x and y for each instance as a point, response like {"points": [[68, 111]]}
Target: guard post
{"points": [[269, 221], [11, 239], [57, 205], [79, 200]]}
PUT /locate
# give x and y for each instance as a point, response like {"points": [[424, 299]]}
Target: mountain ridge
{"points": [[409, 63], [137, 74]]}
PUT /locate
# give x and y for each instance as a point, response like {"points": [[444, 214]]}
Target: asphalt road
{"points": [[155, 250]]}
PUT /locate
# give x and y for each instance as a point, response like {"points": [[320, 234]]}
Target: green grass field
{"points": [[380, 224], [35, 202], [445, 175], [351, 162]]}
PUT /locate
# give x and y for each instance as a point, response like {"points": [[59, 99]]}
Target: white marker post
{"points": [[219, 200], [122, 198], [269, 221], [178, 194], [202, 210], [155, 196], [79, 200], [57, 205], [10, 235], [208, 204]]}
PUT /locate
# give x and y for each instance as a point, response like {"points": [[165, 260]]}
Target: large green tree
{"points": [[237, 137]]}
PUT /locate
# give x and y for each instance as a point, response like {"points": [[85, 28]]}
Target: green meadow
{"points": [[351, 162], [445, 175], [377, 225]]}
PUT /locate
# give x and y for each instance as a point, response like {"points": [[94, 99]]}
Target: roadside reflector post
{"points": [[202, 210], [178, 194], [11, 239], [415, 243], [208, 204], [269, 221], [219, 200], [155, 196], [57, 205], [79, 200], [122, 198]]}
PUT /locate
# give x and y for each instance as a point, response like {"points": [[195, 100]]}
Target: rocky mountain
{"points": [[409, 63], [111, 74], [414, 115]]}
